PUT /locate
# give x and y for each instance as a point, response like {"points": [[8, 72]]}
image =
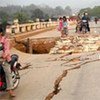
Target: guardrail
{"points": [[23, 28]]}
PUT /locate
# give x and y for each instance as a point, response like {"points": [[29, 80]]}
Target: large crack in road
{"points": [[57, 82]]}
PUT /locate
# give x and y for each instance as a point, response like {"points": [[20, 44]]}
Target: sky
{"points": [[53, 3]]}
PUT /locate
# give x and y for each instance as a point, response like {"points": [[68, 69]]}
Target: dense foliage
{"points": [[93, 12], [31, 12]]}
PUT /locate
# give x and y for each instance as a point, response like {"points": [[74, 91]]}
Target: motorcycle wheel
{"points": [[15, 79], [83, 29]]}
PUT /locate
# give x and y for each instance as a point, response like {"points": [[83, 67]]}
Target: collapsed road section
{"points": [[87, 44]]}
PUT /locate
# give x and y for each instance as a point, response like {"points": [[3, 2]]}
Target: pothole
{"points": [[68, 45], [38, 45]]}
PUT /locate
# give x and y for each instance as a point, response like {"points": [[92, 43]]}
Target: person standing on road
{"points": [[65, 27], [60, 25], [96, 20], [78, 23]]}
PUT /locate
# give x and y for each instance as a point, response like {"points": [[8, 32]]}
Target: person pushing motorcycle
{"points": [[6, 58]]}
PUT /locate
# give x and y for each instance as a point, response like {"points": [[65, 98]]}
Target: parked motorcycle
{"points": [[14, 71]]}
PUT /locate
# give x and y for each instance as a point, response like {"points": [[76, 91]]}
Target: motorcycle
{"points": [[84, 26], [15, 66]]}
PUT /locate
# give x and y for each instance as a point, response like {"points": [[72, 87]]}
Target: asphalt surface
{"points": [[37, 81]]}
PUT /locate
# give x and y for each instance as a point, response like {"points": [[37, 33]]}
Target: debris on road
{"points": [[77, 44]]}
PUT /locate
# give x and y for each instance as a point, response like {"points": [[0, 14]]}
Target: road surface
{"points": [[39, 79]]}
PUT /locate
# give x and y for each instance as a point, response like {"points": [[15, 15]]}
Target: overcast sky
{"points": [[53, 3]]}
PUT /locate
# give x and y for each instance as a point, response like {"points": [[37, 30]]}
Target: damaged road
{"points": [[58, 79], [71, 76], [79, 63]]}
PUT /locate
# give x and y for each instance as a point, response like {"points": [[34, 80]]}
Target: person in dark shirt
{"points": [[85, 19], [96, 20]]}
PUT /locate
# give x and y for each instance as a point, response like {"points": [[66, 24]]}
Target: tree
{"points": [[37, 13], [59, 11], [3, 15], [68, 11], [96, 11], [47, 10], [21, 16], [4, 18], [88, 10], [92, 11]]}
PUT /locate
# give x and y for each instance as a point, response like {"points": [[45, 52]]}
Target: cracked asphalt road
{"points": [[38, 80]]}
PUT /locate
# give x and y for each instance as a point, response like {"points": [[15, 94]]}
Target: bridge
{"points": [[30, 42], [17, 28], [23, 33]]}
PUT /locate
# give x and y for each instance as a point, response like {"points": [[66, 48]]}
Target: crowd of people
{"points": [[81, 21]]}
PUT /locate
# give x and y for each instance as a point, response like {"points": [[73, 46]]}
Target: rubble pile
{"points": [[77, 44]]}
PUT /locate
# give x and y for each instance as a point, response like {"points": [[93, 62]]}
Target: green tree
{"points": [[21, 16], [4, 18], [68, 11], [96, 11], [37, 13], [59, 11], [92, 11], [4, 24], [3, 15]]}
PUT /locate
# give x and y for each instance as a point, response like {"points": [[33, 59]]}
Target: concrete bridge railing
{"points": [[23, 28]]}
